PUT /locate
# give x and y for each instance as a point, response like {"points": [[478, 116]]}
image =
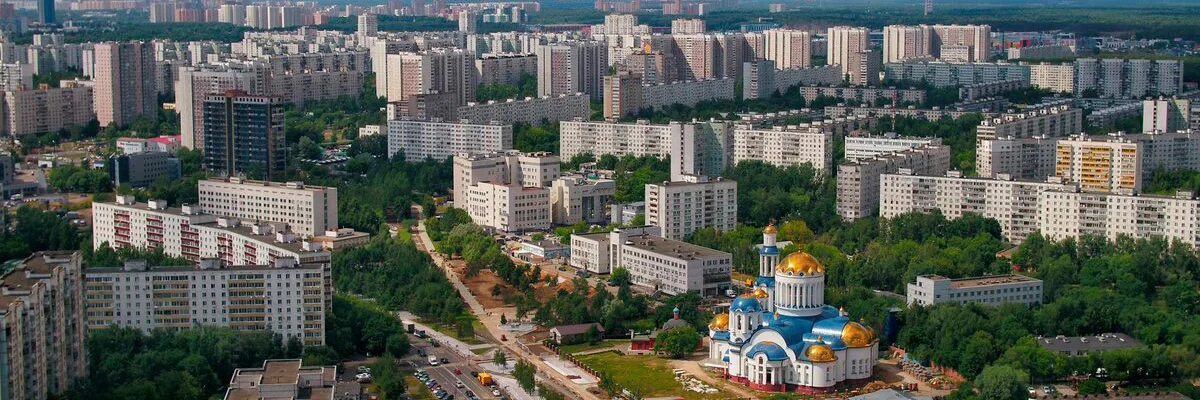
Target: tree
{"points": [[524, 373], [619, 276], [499, 358], [1002, 383], [1092, 387], [397, 345], [503, 320], [593, 335], [795, 231], [677, 343], [463, 327]]}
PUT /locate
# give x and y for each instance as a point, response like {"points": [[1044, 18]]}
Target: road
{"points": [[444, 373], [490, 321]]}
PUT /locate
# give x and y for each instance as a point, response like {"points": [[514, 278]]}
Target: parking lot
{"points": [[447, 374]]}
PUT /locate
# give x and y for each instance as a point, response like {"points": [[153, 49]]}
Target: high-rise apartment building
{"points": [[566, 68], [788, 48], [680, 208], [44, 330], [687, 26], [1057, 77], [308, 210], [194, 85], [1052, 121], [1028, 158], [943, 74], [16, 76], [867, 146], [858, 180], [125, 85], [244, 135], [505, 68], [45, 10], [1122, 163], [46, 109], [697, 148], [862, 68], [418, 140], [905, 42], [1166, 115], [949, 43], [285, 298], [622, 95], [789, 146], [431, 71], [1128, 79], [845, 43], [368, 26], [696, 56]]}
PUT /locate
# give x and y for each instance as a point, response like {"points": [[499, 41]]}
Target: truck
{"points": [[485, 379], [433, 360]]}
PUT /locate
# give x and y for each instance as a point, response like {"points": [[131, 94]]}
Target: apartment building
{"points": [[760, 78], [788, 48], [998, 290], [687, 26], [1128, 79], [244, 135], [1012, 203], [42, 316], [863, 95], [943, 74], [418, 140], [1030, 158], [1071, 214], [534, 170], [654, 262], [1056, 77], [531, 111], [1122, 163], [504, 68], [695, 148], [575, 199], [509, 207], [622, 95], [682, 207], [858, 180], [863, 68], [867, 146], [1166, 114], [44, 110], [980, 91], [15, 76], [441, 70], [288, 379], [905, 42], [285, 298], [949, 43], [1052, 121], [1041, 52], [571, 67], [845, 43], [626, 94], [308, 210], [790, 146], [125, 86], [188, 233]]}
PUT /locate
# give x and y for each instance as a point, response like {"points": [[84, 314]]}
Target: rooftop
{"points": [[20, 276], [246, 383], [1101, 342], [984, 281], [673, 248]]}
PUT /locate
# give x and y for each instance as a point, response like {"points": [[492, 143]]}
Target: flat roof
{"points": [[985, 281], [1101, 342], [189, 268], [673, 248]]}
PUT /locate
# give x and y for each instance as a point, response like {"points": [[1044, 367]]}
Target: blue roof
{"points": [[745, 305], [721, 335], [831, 327], [769, 251], [770, 349], [768, 281]]}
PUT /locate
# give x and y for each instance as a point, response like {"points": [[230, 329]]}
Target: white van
{"points": [[433, 360]]}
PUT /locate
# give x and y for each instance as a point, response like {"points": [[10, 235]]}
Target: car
{"points": [[457, 371], [363, 368], [1032, 391], [445, 360], [496, 392], [458, 384], [363, 377]]}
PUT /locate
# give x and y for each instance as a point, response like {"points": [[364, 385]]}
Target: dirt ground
{"points": [[481, 286]]}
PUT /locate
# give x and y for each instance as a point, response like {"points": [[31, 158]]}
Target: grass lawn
{"points": [[451, 331], [416, 390], [648, 376], [582, 347]]}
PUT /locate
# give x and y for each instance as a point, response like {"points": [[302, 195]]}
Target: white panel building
{"points": [[309, 210], [683, 207], [418, 140]]}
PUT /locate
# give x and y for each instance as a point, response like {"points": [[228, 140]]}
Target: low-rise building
{"points": [[929, 290], [1078, 346], [284, 298], [669, 266], [142, 169], [42, 325], [283, 379], [864, 95], [162, 144], [342, 238]]}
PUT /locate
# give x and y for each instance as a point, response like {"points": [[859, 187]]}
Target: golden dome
{"points": [[800, 263], [820, 353], [771, 229], [856, 335], [719, 322], [760, 293]]}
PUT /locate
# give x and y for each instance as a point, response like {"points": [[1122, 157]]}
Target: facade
{"points": [[682, 207], [44, 330], [590, 252], [1166, 115], [571, 67], [760, 79], [782, 337], [1057, 77], [860, 147], [186, 232], [1128, 79], [1122, 163], [626, 95], [244, 135], [687, 26], [1030, 158], [949, 43], [504, 68], [45, 109], [858, 180], [156, 297], [845, 43], [431, 71], [1071, 214], [1042, 52], [788, 48], [785, 147], [697, 148], [1014, 204], [286, 379], [980, 91], [1052, 121], [534, 170], [142, 169], [530, 111], [943, 74], [308, 210], [575, 199], [16, 76], [509, 207], [418, 140], [905, 42], [125, 85], [654, 262], [862, 68], [622, 95], [990, 290], [864, 95]]}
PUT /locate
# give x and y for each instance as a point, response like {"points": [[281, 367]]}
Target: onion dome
{"points": [[745, 303], [819, 353], [771, 230], [856, 335], [719, 322], [760, 293], [800, 263]]}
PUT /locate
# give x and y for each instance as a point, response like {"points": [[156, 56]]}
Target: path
{"points": [[491, 322]]}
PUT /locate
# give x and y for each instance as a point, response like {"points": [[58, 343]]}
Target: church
{"points": [[782, 337]]}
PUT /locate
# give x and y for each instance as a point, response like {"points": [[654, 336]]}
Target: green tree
{"points": [[524, 373], [1002, 383], [499, 358], [1092, 387], [678, 342], [619, 276]]}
